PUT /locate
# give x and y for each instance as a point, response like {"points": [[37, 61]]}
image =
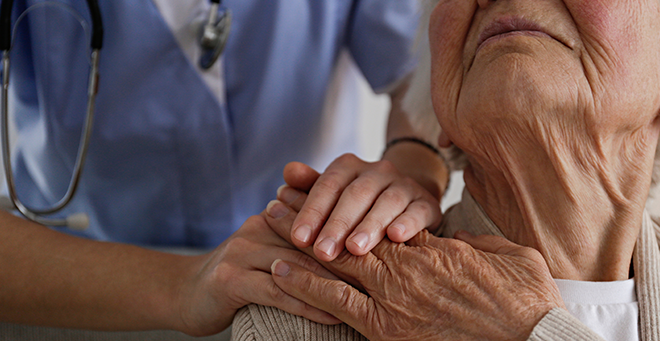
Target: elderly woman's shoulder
{"points": [[256, 322]]}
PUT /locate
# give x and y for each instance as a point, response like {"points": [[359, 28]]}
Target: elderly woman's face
{"points": [[522, 65]]}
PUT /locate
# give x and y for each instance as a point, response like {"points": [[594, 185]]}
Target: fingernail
{"points": [[280, 268], [400, 228], [276, 209], [327, 246], [361, 239], [287, 194], [303, 233]]}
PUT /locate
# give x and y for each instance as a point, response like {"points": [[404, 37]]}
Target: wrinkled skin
{"points": [[560, 127], [427, 289], [559, 121]]}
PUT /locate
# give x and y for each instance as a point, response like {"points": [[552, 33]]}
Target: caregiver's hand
{"points": [[354, 204], [433, 288], [238, 273]]}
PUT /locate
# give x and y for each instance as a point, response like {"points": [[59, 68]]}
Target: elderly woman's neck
{"points": [[583, 217]]}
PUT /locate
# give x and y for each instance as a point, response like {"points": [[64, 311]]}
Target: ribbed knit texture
{"points": [[559, 324], [255, 322], [646, 262]]}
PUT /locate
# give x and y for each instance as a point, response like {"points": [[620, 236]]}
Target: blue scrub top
{"points": [[180, 157]]}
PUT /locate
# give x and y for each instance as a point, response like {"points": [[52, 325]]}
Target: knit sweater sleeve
{"points": [[257, 322], [559, 324]]}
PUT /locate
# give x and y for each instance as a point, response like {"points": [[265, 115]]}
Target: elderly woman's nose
{"points": [[484, 3]]}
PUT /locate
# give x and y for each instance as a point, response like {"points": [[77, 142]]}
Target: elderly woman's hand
{"points": [[354, 204], [432, 288]]}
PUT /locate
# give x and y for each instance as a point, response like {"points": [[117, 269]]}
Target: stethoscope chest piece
{"points": [[213, 36]]}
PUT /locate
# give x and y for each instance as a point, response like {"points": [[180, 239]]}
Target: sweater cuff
{"points": [[559, 324]]}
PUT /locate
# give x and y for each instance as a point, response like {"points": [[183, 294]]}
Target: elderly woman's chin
{"points": [[525, 86]]}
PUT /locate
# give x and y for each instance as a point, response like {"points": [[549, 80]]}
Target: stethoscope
{"points": [[212, 40]]}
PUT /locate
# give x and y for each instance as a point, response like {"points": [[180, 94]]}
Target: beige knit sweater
{"points": [[256, 322]]}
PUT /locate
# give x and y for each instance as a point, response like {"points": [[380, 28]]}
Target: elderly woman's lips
{"points": [[507, 27], [510, 34]]}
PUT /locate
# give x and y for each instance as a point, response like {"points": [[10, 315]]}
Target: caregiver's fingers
{"points": [[258, 287], [323, 198], [418, 215], [266, 255], [336, 297], [374, 185], [401, 211], [346, 266], [292, 197], [280, 217], [300, 176]]}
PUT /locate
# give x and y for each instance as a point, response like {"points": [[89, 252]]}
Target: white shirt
{"points": [[608, 308]]}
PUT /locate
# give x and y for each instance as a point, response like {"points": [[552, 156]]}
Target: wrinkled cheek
{"points": [[448, 27], [621, 39], [611, 27]]}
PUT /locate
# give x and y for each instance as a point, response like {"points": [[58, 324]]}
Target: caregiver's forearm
{"points": [[414, 159], [53, 279]]}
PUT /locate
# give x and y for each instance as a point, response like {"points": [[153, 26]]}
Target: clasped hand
{"points": [[352, 198], [429, 288]]}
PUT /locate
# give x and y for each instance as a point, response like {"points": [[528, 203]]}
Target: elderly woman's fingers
{"points": [[300, 176], [336, 297]]}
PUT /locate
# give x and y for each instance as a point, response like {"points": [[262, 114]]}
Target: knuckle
{"points": [[307, 280], [424, 209], [362, 188], [238, 246], [385, 166], [345, 260], [394, 198], [254, 223], [338, 223], [330, 183], [307, 262], [533, 254], [372, 224], [410, 221], [455, 248], [274, 292], [315, 212], [346, 159], [409, 182], [342, 296], [226, 273]]}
